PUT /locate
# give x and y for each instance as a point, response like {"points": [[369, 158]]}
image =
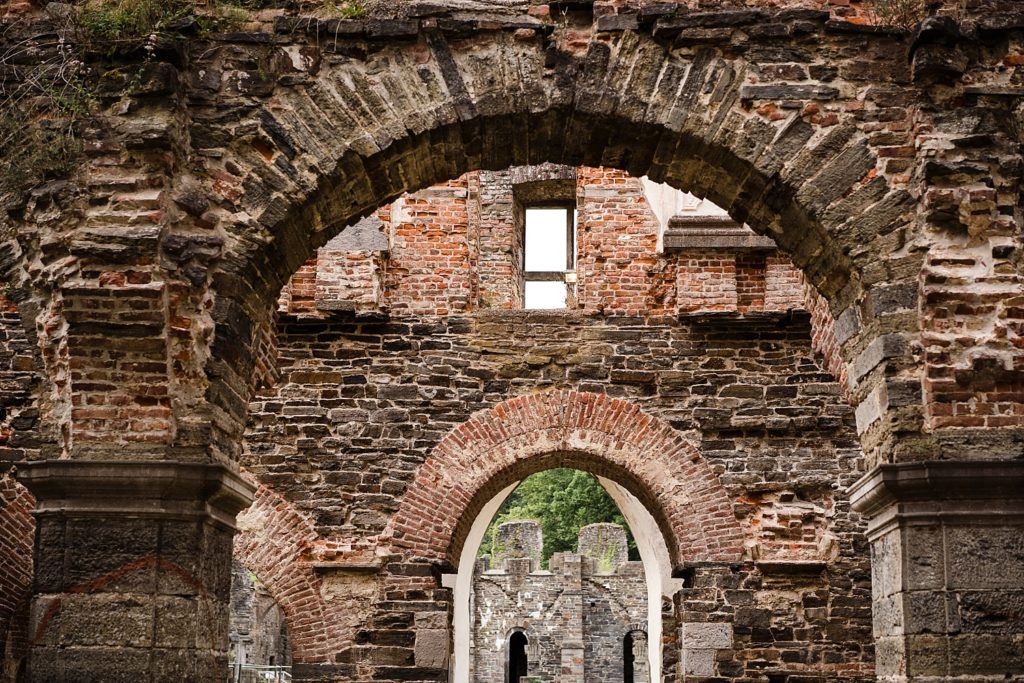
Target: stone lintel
{"points": [[958, 491], [689, 233], [804, 568], [163, 489]]}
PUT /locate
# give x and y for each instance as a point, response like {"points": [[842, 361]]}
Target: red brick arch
{"points": [[273, 543], [588, 431]]}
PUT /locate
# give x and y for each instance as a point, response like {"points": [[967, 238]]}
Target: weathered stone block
{"points": [[697, 635], [698, 662], [431, 649], [985, 557]]}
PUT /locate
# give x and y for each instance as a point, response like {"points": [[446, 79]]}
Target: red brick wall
{"points": [[783, 284], [299, 295], [823, 334], [707, 282], [501, 242], [118, 358], [607, 436], [458, 247], [618, 268], [430, 270]]}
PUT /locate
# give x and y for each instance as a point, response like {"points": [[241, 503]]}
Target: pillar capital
{"points": [[961, 491], [165, 489]]}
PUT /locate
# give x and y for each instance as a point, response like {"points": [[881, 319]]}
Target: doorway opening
{"points": [[552, 577]]}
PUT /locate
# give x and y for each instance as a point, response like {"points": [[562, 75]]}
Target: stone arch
{"points": [[593, 432], [316, 157]]}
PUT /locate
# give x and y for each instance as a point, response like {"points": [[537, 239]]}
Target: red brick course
{"points": [[273, 543]]}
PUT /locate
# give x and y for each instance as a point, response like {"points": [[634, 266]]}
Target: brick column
{"points": [[947, 558], [133, 570]]}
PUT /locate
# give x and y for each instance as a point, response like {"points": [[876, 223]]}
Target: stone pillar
{"points": [[518, 540], [570, 567], [947, 556], [133, 570]]}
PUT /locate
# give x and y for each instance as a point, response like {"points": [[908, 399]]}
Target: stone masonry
{"points": [[837, 481], [589, 602]]}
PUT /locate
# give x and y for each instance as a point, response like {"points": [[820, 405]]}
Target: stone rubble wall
{"points": [[579, 603], [750, 391], [258, 632]]}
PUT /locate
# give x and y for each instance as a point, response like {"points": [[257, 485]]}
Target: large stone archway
{"points": [[893, 185]]}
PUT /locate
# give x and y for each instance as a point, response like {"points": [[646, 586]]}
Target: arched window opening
{"points": [[634, 657], [517, 660], [560, 532]]}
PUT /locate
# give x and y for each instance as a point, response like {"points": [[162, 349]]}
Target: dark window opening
{"points": [[516, 657], [549, 268]]}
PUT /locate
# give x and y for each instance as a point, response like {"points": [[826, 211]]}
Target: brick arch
{"points": [[17, 531], [589, 431], [273, 542], [316, 157]]}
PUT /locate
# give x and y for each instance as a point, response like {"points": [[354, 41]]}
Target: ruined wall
{"points": [[258, 632], [458, 247], [362, 403], [582, 605]]}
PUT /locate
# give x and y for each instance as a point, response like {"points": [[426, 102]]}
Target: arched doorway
{"points": [[518, 665]]}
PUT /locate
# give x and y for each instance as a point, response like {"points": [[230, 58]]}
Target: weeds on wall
{"points": [[907, 14], [345, 9], [48, 84], [43, 103]]}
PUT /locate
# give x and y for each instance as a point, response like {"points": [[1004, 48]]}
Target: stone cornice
{"points": [[985, 491], [178, 490], [712, 232]]}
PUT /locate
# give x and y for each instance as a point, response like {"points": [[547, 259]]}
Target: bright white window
{"points": [[550, 258]]}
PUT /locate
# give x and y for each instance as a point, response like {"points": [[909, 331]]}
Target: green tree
{"points": [[563, 501]]}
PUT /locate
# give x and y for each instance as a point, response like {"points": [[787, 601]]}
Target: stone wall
{"points": [[748, 390], [582, 606], [258, 632], [884, 161]]}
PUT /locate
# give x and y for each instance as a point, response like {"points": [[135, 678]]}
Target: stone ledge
{"points": [[982, 491], [143, 489], [712, 232]]}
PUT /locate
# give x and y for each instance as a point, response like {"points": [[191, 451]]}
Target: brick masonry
{"points": [[884, 163], [419, 400]]}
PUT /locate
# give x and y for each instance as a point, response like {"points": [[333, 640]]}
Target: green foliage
{"points": [[42, 106], [345, 9], [562, 501], [112, 22]]}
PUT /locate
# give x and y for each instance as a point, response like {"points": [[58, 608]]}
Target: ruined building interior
{"points": [[594, 613], [295, 294]]}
